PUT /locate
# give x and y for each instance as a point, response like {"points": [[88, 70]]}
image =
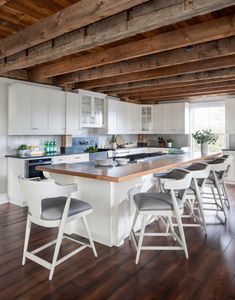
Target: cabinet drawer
{"points": [[77, 158], [59, 160]]}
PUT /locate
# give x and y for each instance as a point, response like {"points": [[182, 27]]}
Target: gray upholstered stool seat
{"points": [[52, 208], [155, 201], [175, 174], [196, 167]]}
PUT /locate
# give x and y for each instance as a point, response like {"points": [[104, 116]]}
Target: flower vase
{"points": [[204, 149]]}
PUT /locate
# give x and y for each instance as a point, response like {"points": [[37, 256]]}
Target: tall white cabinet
{"points": [[171, 118], [73, 125], [35, 110]]}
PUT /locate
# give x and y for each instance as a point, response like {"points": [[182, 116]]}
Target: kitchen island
{"points": [[110, 190]]}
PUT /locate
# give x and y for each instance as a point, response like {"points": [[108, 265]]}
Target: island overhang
{"points": [[128, 172]]}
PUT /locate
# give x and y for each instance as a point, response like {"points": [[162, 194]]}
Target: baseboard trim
{"points": [[230, 182], [3, 198], [18, 203]]}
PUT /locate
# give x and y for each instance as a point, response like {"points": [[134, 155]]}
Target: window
{"points": [[209, 115]]}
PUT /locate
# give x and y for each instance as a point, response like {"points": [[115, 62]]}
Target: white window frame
{"points": [[206, 104]]}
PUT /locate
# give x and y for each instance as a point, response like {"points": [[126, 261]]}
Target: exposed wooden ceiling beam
{"points": [[198, 52], [70, 18], [195, 34], [17, 74], [187, 96], [174, 90], [210, 64], [149, 16], [2, 2], [186, 79], [198, 83]]}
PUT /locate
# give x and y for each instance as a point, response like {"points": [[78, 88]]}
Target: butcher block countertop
{"points": [[127, 172]]}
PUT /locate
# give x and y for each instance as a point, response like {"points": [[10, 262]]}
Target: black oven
{"points": [[31, 165]]}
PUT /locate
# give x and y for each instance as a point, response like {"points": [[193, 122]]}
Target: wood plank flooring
{"points": [[209, 273]]}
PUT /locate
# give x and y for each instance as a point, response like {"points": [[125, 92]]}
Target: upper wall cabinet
{"points": [[147, 118], [112, 115], [73, 114], [123, 117], [171, 118], [229, 116], [35, 110], [92, 109], [56, 112]]}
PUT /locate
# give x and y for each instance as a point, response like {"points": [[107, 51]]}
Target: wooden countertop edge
{"points": [[127, 177]]}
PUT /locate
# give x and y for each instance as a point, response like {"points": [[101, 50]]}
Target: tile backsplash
{"points": [[179, 140], [14, 141]]}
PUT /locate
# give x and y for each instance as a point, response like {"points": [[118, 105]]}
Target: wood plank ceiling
{"points": [[143, 51]]}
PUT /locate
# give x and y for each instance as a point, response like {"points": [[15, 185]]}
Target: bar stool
{"points": [[219, 167], [165, 206], [200, 172], [51, 205], [229, 159]]}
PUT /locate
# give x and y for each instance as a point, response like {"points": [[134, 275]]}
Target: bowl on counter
{"points": [[122, 161], [104, 162]]}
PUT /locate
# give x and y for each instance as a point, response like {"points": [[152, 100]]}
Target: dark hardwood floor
{"points": [[209, 273]]}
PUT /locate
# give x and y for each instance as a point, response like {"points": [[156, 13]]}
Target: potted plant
{"points": [[22, 150], [114, 141], [204, 138], [169, 142]]}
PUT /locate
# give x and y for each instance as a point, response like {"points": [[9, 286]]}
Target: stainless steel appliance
{"points": [[31, 165]]}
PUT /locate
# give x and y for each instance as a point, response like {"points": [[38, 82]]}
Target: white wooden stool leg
{"points": [[26, 239], [199, 200], [171, 227], [57, 249], [85, 224], [140, 242], [226, 193], [134, 222], [181, 231], [220, 198]]}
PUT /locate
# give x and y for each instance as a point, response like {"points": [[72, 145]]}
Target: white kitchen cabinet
{"points": [[19, 110], [35, 110], [135, 118], [92, 109], [229, 116], [39, 109], [56, 112], [15, 168], [123, 117], [147, 118], [112, 116], [70, 159], [171, 118], [73, 114]]}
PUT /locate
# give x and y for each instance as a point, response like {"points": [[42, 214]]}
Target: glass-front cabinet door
{"points": [[147, 118], [86, 110], [99, 111], [92, 109]]}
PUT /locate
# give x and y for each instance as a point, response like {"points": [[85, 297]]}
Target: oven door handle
{"points": [[39, 164]]}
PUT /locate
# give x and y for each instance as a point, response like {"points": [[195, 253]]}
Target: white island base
{"points": [[113, 206]]}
